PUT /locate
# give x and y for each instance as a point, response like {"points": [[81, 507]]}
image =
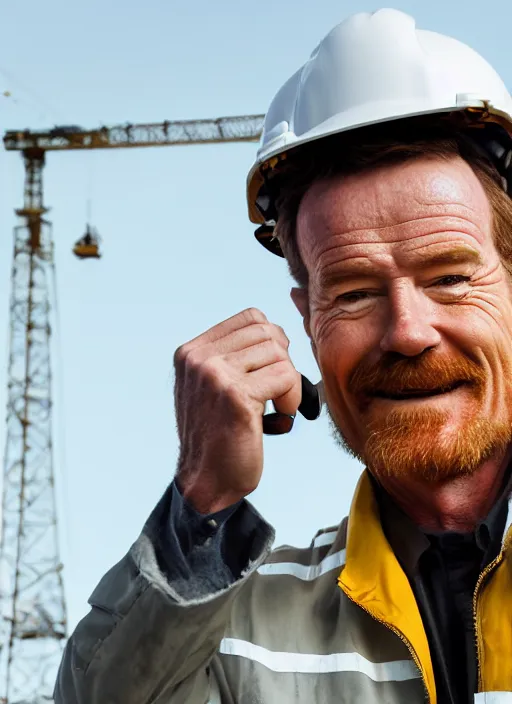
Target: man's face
{"points": [[410, 316]]}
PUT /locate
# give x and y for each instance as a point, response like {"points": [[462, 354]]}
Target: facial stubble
{"points": [[419, 443]]}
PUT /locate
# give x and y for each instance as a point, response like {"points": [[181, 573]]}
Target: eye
{"points": [[452, 280], [353, 296]]}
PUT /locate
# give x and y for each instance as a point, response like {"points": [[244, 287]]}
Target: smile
{"points": [[417, 393]]}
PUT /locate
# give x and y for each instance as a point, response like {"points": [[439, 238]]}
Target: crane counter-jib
{"points": [[246, 128]]}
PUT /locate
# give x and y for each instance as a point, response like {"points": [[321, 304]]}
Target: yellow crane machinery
{"points": [[33, 604]]}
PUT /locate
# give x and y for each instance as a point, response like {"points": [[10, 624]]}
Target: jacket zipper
{"points": [[402, 638], [481, 579]]}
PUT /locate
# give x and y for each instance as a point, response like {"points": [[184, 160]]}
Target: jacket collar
{"points": [[373, 578]]}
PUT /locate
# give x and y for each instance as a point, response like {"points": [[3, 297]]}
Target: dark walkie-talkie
{"points": [[276, 423]]}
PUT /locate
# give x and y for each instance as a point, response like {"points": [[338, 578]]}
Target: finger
{"points": [[236, 322], [257, 356], [242, 339], [279, 382], [252, 335]]}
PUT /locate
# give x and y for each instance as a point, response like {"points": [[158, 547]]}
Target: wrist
{"points": [[203, 499]]}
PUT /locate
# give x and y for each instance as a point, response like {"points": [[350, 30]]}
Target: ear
{"points": [[300, 298]]}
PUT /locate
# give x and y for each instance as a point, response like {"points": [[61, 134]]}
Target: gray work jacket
{"points": [[334, 623]]}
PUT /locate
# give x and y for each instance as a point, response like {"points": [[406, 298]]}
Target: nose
{"points": [[411, 328]]}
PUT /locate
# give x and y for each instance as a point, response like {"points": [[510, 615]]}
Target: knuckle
{"points": [[193, 360], [288, 373], [213, 376], [187, 357], [260, 332], [283, 335], [278, 350], [234, 393], [192, 363], [254, 315], [264, 331], [209, 368], [180, 355]]}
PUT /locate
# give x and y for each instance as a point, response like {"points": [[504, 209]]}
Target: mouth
{"points": [[406, 394]]}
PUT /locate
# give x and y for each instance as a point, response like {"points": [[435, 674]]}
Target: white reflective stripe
{"points": [[493, 698], [304, 572], [396, 671], [325, 539], [509, 520]]}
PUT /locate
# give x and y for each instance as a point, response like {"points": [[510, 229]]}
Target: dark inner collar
{"points": [[409, 542]]}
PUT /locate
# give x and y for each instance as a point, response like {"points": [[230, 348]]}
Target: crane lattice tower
{"points": [[31, 583], [33, 606]]}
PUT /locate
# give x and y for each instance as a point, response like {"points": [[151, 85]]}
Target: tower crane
{"points": [[33, 608]]}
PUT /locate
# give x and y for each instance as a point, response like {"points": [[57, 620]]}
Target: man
{"points": [[399, 236]]}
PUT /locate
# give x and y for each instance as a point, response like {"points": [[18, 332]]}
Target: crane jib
{"points": [[243, 128]]}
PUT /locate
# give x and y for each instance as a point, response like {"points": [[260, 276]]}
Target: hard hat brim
{"points": [[359, 117]]}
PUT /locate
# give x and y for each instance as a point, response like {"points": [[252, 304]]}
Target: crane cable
{"points": [[37, 100]]}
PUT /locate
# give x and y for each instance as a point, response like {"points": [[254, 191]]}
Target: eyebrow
{"points": [[359, 267], [363, 267], [458, 255]]}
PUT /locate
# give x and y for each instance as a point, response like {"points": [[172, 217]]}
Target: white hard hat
{"points": [[374, 68]]}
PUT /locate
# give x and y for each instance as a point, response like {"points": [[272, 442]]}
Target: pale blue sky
{"points": [[179, 253]]}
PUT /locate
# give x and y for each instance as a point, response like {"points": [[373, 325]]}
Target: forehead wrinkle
{"points": [[331, 228], [375, 262], [386, 198], [319, 225], [380, 205], [322, 248]]}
